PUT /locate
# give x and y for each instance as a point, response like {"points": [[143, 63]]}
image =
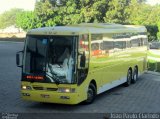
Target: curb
{"points": [[10, 42], [152, 72]]}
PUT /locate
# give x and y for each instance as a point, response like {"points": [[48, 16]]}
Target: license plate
{"points": [[45, 96]]}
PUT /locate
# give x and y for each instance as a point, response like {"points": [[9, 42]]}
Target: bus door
{"points": [[83, 58]]}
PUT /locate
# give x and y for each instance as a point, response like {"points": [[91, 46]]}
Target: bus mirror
{"points": [[82, 60], [19, 56]]}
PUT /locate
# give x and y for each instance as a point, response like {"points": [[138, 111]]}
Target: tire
{"points": [[91, 93], [135, 75], [129, 78]]}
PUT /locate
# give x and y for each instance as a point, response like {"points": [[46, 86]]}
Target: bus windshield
{"points": [[49, 59]]}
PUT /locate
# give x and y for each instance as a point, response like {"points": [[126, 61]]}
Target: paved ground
{"points": [[142, 97]]}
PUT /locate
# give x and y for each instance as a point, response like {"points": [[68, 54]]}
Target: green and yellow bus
{"points": [[72, 64]]}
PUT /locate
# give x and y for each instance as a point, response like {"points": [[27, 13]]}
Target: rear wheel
{"points": [[135, 75], [129, 78], [91, 93]]}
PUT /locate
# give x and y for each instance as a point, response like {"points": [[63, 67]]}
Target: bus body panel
{"points": [[51, 96], [107, 67]]}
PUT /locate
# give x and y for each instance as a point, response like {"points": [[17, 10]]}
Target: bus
{"points": [[74, 63]]}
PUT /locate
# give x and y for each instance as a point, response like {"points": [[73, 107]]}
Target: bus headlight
{"points": [[26, 87], [66, 90]]}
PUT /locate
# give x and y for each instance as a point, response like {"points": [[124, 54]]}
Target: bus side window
{"points": [[108, 43], [135, 42], [145, 41], [120, 44], [128, 44], [96, 45]]}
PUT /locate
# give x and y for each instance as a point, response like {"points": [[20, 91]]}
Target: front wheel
{"points": [[91, 93]]}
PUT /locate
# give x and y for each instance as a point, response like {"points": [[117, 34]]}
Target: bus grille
{"points": [[41, 88], [52, 89], [38, 88]]}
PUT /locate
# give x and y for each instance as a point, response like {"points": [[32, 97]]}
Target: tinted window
{"points": [[120, 44], [108, 45], [135, 42], [96, 44]]}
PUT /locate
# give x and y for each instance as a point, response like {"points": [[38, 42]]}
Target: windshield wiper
{"points": [[54, 77]]}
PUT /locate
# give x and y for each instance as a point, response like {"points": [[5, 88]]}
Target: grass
{"points": [[153, 65]]}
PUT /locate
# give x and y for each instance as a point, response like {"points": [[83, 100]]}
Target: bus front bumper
{"points": [[50, 97]]}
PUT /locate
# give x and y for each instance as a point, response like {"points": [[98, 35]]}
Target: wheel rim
{"points": [[135, 75], [129, 77]]}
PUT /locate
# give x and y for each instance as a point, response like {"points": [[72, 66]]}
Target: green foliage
{"points": [[27, 20], [49, 13], [118, 11], [8, 18], [158, 34], [94, 11], [138, 13], [152, 32], [70, 12], [146, 15], [45, 12]]}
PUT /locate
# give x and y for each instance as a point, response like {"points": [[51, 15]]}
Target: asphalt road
{"points": [[142, 97]]}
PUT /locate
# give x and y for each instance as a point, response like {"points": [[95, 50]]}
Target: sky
{"points": [[29, 4], [153, 2], [24, 4]]}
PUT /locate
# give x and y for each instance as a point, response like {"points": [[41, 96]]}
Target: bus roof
{"points": [[84, 28]]}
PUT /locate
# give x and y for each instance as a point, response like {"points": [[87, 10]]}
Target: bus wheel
{"points": [[135, 75], [91, 93], [129, 78]]}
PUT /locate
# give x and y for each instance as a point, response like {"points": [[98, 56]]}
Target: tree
{"points": [[70, 11], [8, 18], [118, 11], [45, 11], [51, 13], [27, 20], [158, 34], [94, 10], [152, 32]]}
